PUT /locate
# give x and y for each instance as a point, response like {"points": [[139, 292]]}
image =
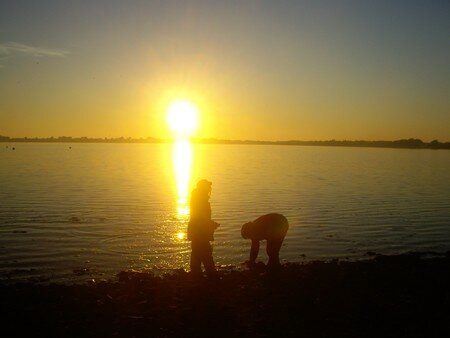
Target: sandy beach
{"points": [[384, 296]]}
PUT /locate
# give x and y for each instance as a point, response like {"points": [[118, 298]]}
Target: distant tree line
{"points": [[404, 143], [69, 139]]}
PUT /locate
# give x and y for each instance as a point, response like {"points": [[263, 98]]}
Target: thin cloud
{"points": [[12, 48]]}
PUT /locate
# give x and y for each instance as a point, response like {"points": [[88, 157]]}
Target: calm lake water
{"points": [[69, 212]]}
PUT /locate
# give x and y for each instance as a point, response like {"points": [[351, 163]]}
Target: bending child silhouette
{"points": [[272, 228], [201, 229]]}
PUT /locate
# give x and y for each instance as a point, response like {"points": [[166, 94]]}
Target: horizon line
{"points": [[399, 143]]}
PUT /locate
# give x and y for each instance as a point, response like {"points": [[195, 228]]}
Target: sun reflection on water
{"points": [[183, 121], [182, 162]]}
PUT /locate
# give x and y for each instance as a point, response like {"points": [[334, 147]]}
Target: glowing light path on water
{"points": [[182, 160], [183, 121]]}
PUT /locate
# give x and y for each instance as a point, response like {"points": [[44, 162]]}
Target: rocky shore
{"points": [[386, 296]]}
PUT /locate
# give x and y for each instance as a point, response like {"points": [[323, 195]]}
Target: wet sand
{"points": [[386, 296]]}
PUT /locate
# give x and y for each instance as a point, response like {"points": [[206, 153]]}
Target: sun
{"points": [[182, 118]]}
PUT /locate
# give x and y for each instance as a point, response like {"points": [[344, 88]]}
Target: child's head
{"points": [[245, 230]]}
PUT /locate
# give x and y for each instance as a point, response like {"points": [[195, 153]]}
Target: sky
{"points": [[256, 70]]}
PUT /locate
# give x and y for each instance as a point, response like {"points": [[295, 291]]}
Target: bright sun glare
{"points": [[182, 117]]}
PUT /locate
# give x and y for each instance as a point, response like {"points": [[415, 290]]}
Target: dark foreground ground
{"points": [[388, 296]]}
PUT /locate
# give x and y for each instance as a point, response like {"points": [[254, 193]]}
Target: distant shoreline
{"points": [[403, 143]]}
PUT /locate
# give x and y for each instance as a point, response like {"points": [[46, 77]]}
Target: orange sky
{"points": [[255, 70]]}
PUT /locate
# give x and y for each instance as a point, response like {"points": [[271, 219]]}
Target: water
{"points": [[69, 212]]}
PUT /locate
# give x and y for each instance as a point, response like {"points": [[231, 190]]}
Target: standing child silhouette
{"points": [[201, 230]]}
